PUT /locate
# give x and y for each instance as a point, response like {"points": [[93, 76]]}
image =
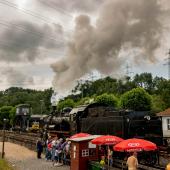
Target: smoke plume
{"points": [[121, 23]]}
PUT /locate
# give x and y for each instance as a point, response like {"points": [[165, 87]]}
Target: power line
{"points": [[12, 5], [28, 12], [56, 8], [27, 31], [168, 63], [3, 43]]}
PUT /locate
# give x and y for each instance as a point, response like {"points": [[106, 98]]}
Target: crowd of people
{"points": [[57, 150]]}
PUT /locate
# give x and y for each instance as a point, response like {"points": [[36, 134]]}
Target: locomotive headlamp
{"points": [[128, 120], [147, 117]]}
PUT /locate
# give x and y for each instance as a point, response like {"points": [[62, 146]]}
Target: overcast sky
{"points": [[56, 42]]}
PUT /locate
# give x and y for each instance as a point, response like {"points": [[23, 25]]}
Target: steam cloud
{"points": [[131, 23]]}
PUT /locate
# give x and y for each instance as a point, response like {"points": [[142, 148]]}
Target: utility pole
{"points": [[168, 63], [128, 72], [3, 139], [92, 76]]}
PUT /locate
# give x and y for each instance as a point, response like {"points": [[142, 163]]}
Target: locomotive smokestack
{"points": [[121, 24]]}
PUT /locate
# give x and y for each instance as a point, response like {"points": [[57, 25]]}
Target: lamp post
{"points": [[3, 139]]}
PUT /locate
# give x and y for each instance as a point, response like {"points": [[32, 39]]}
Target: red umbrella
{"points": [[131, 145], [106, 140], [80, 135]]}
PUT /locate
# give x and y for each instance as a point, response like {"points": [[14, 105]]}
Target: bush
{"points": [[136, 99]]}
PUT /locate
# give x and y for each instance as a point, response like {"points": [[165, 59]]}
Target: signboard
{"points": [[91, 146]]}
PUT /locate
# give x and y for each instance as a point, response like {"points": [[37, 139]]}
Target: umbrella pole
{"points": [[108, 157]]}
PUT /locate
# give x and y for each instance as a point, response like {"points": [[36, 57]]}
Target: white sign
{"points": [[92, 146], [133, 144]]}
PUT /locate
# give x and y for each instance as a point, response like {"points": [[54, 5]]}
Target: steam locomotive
{"points": [[95, 118], [102, 119], [98, 119]]}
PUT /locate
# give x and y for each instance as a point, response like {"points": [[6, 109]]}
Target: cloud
{"points": [[16, 77], [121, 23], [66, 6], [24, 41]]}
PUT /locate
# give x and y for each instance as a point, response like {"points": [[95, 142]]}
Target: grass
{"points": [[4, 165]]}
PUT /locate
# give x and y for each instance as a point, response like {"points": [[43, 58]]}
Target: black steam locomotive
{"points": [[101, 119]]}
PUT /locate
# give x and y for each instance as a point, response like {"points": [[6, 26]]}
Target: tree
{"points": [[5, 113], [136, 99], [145, 81], [65, 103], [158, 104], [108, 99], [12, 114]]}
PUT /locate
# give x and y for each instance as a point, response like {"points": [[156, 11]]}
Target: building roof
{"points": [[78, 109], [38, 116], [84, 138], [164, 113]]}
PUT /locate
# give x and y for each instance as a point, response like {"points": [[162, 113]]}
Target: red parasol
{"points": [[106, 140], [80, 135], [131, 145]]}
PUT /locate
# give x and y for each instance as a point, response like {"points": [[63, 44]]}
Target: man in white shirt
{"points": [[132, 162]]}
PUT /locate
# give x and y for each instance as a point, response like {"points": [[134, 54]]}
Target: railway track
{"points": [[122, 165], [29, 140], [22, 138]]}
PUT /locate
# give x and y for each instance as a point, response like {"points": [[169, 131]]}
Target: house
{"points": [[165, 115]]}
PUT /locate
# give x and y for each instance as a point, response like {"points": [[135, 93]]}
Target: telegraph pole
{"points": [[128, 72], [168, 63]]}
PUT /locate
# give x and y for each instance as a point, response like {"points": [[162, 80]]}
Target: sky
{"points": [[54, 43]]}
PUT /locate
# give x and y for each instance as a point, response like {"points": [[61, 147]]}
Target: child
{"points": [[102, 163]]}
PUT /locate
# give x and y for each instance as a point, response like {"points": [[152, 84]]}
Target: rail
{"points": [[25, 139], [122, 165]]}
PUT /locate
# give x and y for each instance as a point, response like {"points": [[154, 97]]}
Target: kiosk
{"points": [[82, 151]]}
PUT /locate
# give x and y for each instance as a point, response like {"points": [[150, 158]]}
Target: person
{"points": [[48, 148], [168, 166], [102, 163], [132, 162], [66, 152], [110, 156], [39, 148]]}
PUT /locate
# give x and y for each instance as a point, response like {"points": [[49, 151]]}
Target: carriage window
{"points": [[168, 124]]}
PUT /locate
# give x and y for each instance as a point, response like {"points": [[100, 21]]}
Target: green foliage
{"points": [[5, 113], [108, 99], [12, 114], [136, 99], [14, 96], [158, 104], [65, 103], [84, 92], [4, 165], [145, 81]]}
